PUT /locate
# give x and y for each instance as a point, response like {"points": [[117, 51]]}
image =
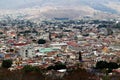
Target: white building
{"points": [[27, 51]]}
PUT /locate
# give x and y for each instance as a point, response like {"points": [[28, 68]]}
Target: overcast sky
{"points": [[13, 4]]}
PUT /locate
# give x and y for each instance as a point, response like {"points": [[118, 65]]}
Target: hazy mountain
{"points": [[101, 5], [62, 8]]}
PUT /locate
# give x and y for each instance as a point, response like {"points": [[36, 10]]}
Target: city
{"points": [[60, 48]]}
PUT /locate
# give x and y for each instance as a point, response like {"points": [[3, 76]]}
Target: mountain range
{"points": [[110, 6], [62, 8]]}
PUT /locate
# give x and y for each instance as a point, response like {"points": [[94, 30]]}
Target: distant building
{"points": [[27, 51]]}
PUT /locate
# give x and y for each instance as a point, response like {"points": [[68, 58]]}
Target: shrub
{"points": [[112, 65], [6, 63], [57, 67], [29, 68], [101, 64], [41, 41]]}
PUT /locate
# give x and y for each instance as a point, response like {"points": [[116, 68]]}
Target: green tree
{"points": [[57, 66], [29, 68], [50, 67], [101, 64], [112, 65], [6, 63], [41, 41], [36, 69]]}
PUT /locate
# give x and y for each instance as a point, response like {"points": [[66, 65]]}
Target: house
{"points": [[27, 51]]}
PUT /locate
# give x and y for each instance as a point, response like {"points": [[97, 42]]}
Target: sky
{"points": [[14, 4], [11, 4]]}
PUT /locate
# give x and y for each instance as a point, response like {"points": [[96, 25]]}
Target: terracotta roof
{"points": [[11, 41], [20, 44], [72, 43], [19, 67]]}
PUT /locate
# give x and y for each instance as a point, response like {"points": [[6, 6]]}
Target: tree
{"points": [[6, 63], [112, 65], [32, 73], [80, 74], [50, 67], [57, 66], [80, 56], [29, 68], [41, 41], [101, 64]]}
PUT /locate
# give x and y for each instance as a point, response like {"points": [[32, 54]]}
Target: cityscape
{"points": [[64, 40]]}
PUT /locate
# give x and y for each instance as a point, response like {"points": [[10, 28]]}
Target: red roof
{"points": [[30, 61], [19, 67], [7, 55], [20, 44], [72, 43], [11, 41], [117, 70]]}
